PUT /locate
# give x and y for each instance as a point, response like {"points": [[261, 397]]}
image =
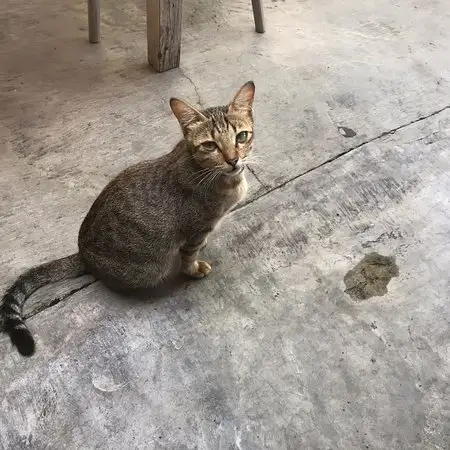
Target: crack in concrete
{"points": [[58, 300], [267, 192], [395, 234], [339, 155], [252, 171], [54, 302], [199, 99]]}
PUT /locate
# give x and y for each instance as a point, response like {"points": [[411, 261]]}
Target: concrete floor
{"points": [[276, 349]]}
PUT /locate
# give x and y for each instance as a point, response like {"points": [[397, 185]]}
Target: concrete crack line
{"points": [[199, 99], [252, 171], [54, 302], [339, 155], [58, 300], [328, 161]]}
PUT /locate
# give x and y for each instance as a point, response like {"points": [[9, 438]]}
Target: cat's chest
{"points": [[242, 190], [219, 204], [235, 195]]}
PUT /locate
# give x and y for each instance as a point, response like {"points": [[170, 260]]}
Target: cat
{"points": [[155, 216]]}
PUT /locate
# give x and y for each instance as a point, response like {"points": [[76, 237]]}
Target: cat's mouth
{"points": [[236, 171]]}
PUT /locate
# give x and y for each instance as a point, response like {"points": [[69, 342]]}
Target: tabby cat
{"points": [[154, 217]]}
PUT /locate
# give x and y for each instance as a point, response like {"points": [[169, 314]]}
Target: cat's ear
{"points": [[186, 114], [243, 100]]}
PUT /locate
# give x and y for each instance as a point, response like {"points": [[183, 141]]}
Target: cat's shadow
{"points": [[175, 283], [168, 288]]}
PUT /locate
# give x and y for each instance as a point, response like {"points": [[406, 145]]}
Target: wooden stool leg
{"points": [[258, 14], [94, 20], [164, 33]]}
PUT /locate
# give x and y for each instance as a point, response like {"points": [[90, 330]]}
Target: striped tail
{"points": [[15, 297]]}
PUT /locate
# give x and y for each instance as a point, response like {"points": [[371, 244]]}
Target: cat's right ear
{"points": [[186, 114]]}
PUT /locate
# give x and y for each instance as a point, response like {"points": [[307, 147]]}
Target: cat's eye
{"points": [[242, 137], [209, 146]]}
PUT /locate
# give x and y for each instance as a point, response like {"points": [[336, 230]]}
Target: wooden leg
{"points": [[258, 14], [164, 33], [94, 20]]}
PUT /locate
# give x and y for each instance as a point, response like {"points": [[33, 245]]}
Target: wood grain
{"points": [[164, 33], [94, 21]]}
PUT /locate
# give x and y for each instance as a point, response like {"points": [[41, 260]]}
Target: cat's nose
{"points": [[233, 162]]}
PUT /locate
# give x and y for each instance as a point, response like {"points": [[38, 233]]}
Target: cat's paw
{"points": [[198, 269]]}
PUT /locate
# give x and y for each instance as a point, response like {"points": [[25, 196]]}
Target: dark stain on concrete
{"points": [[247, 233], [370, 277], [347, 132]]}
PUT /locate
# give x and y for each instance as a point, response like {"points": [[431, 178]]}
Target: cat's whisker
{"points": [[213, 178], [199, 175], [253, 158], [253, 163], [203, 173], [208, 174], [256, 161]]}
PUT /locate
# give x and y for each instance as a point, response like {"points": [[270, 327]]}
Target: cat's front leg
{"points": [[190, 265]]}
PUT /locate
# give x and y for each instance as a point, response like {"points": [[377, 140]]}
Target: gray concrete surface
{"points": [[274, 350]]}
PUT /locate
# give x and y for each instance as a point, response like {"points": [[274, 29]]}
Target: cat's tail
{"points": [[15, 297]]}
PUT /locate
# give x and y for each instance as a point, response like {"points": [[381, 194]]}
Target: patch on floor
{"points": [[347, 132], [370, 277]]}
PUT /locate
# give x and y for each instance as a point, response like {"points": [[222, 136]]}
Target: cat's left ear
{"points": [[186, 114], [243, 100]]}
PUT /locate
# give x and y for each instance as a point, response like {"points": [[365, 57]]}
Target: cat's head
{"points": [[220, 138]]}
